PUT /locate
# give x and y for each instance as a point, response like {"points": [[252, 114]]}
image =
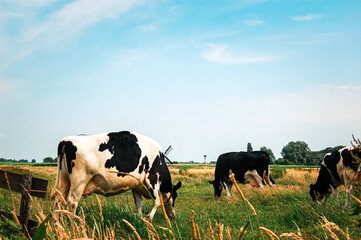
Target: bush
{"points": [[278, 172]]}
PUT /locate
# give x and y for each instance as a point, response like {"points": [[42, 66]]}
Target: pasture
{"points": [[285, 209]]}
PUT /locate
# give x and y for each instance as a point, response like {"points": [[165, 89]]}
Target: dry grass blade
{"points": [[243, 231], [228, 233], [11, 196], [198, 232], [15, 218], [252, 208], [291, 235], [220, 231], [237, 188], [193, 225], [151, 229], [83, 225], [57, 193], [133, 229], [271, 234], [163, 210], [100, 208], [170, 231], [195, 228], [211, 230], [330, 225], [358, 201]]}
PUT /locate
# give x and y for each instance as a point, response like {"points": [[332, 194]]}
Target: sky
{"points": [[206, 77]]}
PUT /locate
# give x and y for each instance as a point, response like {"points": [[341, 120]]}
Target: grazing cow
{"points": [[112, 163], [248, 167], [337, 168]]}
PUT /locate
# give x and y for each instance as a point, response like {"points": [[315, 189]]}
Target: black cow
{"points": [[248, 167], [112, 163], [337, 168]]}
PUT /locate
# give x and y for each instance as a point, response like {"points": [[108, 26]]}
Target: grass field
{"points": [[285, 209]]}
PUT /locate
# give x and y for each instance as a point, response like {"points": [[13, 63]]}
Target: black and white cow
{"points": [[112, 163], [248, 167], [337, 168]]}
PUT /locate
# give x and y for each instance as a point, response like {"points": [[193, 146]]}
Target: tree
{"points": [[270, 153], [297, 152], [49, 160], [33, 161], [249, 147]]}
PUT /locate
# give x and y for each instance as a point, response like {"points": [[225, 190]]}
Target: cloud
{"points": [[220, 53], [307, 17], [253, 22], [78, 15]]}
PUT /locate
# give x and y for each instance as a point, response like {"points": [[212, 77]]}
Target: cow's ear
{"points": [[178, 185]]}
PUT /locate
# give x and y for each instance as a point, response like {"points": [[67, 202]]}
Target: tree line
{"points": [[297, 153], [19, 161]]}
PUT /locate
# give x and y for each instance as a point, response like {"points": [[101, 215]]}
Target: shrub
{"points": [[278, 172]]}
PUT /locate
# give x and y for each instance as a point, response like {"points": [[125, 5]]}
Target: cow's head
{"points": [[169, 204], [217, 187], [315, 194]]}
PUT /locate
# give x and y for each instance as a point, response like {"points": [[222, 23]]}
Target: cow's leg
{"points": [[225, 185], [327, 195], [348, 195], [156, 205], [335, 193], [348, 174], [230, 185], [76, 191], [138, 202]]}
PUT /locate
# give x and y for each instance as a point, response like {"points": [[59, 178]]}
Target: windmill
{"points": [[169, 149]]}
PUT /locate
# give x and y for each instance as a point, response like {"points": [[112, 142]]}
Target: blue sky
{"points": [[205, 76]]}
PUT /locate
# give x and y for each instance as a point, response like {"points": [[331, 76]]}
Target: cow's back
{"points": [[109, 162]]}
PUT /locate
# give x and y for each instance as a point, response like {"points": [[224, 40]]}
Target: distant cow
{"points": [[112, 163], [337, 168], [248, 167]]}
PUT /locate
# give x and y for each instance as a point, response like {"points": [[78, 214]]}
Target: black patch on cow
{"points": [[331, 162], [323, 183], [67, 148], [348, 159], [159, 168], [125, 150], [144, 165]]}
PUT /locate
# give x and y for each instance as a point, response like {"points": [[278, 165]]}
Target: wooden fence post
{"points": [[25, 200], [26, 185]]}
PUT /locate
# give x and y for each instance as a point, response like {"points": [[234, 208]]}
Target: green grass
{"points": [[280, 210]]}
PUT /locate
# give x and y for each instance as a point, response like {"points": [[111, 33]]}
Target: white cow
{"points": [[113, 163], [337, 168]]}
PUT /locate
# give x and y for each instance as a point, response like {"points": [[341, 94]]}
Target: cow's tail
{"points": [[62, 169]]}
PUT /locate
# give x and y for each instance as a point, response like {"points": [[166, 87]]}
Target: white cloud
{"points": [[78, 15], [222, 54], [307, 17], [253, 22]]}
